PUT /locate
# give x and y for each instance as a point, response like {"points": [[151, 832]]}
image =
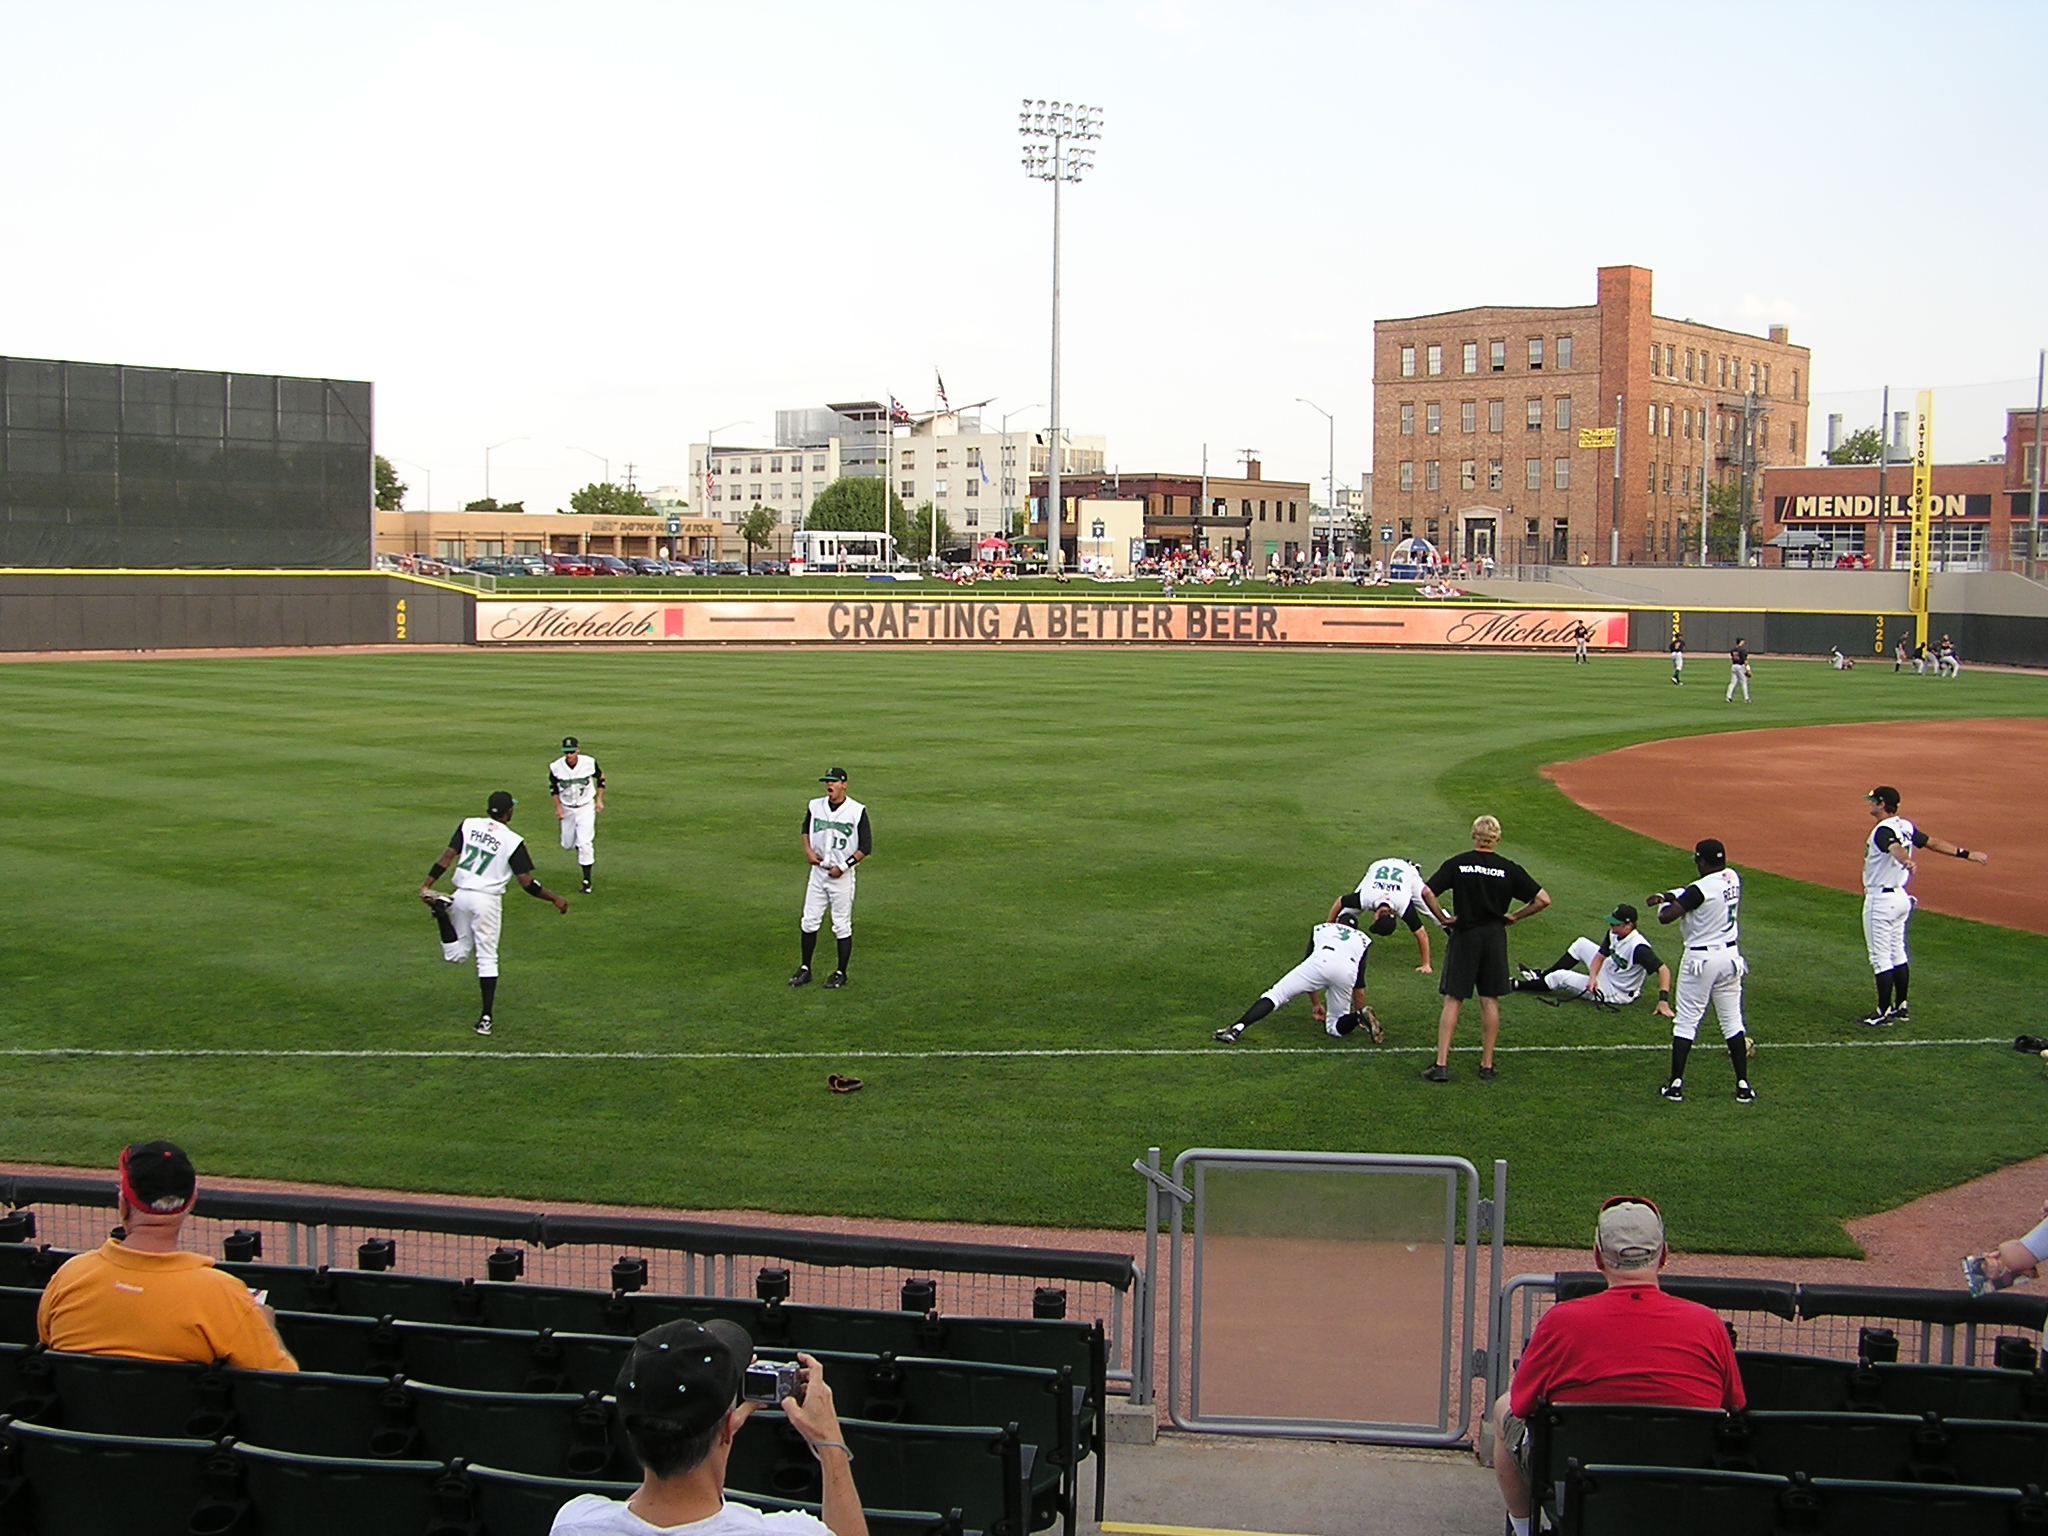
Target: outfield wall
{"points": [[44, 610]]}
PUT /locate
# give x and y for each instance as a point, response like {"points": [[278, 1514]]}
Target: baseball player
{"points": [[577, 785], [1333, 968], [1887, 866], [1713, 967], [1392, 892], [1946, 664], [1738, 670], [1581, 633], [1678, 660], [836, 837], [1615, 969], [487, 854]]}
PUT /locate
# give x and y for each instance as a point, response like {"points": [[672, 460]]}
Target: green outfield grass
{"points": [[1074, 850]]}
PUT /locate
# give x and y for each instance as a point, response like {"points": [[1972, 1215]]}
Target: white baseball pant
{"points": [[1951, 667], [823, 892], [1738, 677], [1323, 972], [1677, 662], [476, 916], [1884, 928], [1705, 974], [1577, 984], [579, 830]]}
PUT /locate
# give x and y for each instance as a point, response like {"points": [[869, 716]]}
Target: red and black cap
{"points": [[157, 1177]]}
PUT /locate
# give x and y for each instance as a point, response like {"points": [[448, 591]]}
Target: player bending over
{"points": [[1334, 966], [1392, 892], [487, 855], [1615, 969]]}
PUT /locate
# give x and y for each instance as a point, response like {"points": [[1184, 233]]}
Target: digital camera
{"points": [[770, 1381]]}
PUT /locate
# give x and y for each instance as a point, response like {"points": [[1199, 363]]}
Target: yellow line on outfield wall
{"points": [[1134, 1528], [215, 570]]}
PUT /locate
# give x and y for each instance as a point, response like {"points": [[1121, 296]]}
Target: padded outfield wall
{"points": [[218, 610]]}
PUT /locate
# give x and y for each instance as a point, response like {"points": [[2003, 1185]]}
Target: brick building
{"points": [[1267, 521], [1477, 415]]}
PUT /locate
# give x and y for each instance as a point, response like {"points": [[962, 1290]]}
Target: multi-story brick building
{"points": [[1477, 415]]}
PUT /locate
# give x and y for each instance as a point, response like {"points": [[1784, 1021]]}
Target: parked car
{"points": [[610, 565], [771, 567], [570, 565], [644, 566], [729, 568], [698, 565]]}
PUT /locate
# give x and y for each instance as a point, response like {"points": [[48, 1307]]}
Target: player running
{"points": [[1678, 659], [1334, 967], [1706, 912], [1615, 969], [836, 837], [487, 854], [1392, 892], [1887, 866], [577, 785]]}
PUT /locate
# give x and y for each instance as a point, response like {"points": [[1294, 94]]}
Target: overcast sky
{"points": [[614, 226]]}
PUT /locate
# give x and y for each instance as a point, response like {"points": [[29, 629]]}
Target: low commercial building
{"points": [[1264, 521], [466, 536]]}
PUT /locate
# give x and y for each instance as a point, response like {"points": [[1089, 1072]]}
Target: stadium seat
{"points": [[1616, 1434], [1997, 1453], [1918, 1509], [1954, 1391], [590, 1362], [56, 1481], [1795, 1382], [1868, 1447], [29, 1266], [364, 1498], [447, 1354], [987, 1474], [113, 1395], [320, 1342], [314, 1413], [542, 1434], [18, 1313], [1671, 1501]]}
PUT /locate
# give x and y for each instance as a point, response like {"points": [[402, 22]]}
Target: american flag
{"points": [[944, 403], [897, 413]]}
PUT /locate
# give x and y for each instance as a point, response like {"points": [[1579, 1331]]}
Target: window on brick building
{"points": [[1564, 413], [1561, 474], [1667, 421], [1724, 373], [1408, 419], [1468, 475], [1468, 416], [1496, 415], [1407, 362], [1656, 356], [1564, 351], [1536, 352], [1792, 438], [1433, 418], [1435, 359], [1493, 474], [1795, 383], [1667, 479], [1767, 378], [1653, 420], [1532, 474], [1433, 475], [1688, 365], [1532, 413], [1497, 356], [1653, 476], [1407, 477], [1671, 362], [1407, 527], [1685, 422], [1471, 358], [1752, 378]]}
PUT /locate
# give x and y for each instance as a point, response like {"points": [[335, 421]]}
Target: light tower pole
{"points": [[1330, 496], [1059, 145]]}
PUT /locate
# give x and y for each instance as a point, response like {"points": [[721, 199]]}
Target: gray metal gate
{"points": [[1320, 1294]]}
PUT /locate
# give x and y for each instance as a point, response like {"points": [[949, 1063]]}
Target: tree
{"points": [[853, 503], [1724, 522], [390, 489], [492, 504], [757, 528], [917, 532], [1864, 446], [603, 499]]}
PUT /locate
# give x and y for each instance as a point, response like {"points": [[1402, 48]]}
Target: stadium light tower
{"points": [[1059, 145]]}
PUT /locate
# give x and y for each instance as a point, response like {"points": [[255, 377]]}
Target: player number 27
{"points": [[474, 857]]}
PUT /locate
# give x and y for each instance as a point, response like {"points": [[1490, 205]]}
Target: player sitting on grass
{"points": [[1615, 969], [1334, 966]]}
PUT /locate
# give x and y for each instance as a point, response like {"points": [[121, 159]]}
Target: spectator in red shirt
{"points": [[1630, 1344]]}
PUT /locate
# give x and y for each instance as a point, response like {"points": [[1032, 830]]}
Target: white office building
{"points": [[981, 480]]}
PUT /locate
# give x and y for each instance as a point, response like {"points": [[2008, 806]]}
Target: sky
{"points": [[599, 230]]}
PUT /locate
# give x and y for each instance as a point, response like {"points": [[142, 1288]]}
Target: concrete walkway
{"points": [[1297, 1487]]}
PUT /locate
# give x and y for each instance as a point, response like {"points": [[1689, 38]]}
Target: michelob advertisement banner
{"points": [[963, 621]]}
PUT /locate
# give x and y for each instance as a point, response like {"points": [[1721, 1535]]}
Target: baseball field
{"points": [[1084, 863]]}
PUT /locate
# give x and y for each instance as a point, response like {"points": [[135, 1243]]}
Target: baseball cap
{"points": [[501, 801], [833, 776], [1630, 1232], [1885, 796], [568, 743], [1710, 849], [685, 1371], [1622, 913], [157, 1176]]}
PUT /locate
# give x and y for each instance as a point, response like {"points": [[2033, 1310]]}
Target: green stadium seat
{"points": [[114, 1395], [1955, 1391], [291, 1493], [590, 1362], [1997, 1453], [28, 1265], [1866, 1447], [18, 1313], [314, 1413], [447, 1354], [1787, 1381], [1921, 1509], [1670, 1501], [342, 1345], [987, 1474], [56, 1482], [1616, 1434], [542, 1434]]}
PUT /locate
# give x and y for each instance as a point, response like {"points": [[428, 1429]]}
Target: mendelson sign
{"points": [[951, 621]]}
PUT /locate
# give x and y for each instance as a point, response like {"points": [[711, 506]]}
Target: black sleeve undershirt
{"points": [[1646, 957], [1413, 916], [867, 837], [521, 861], [1691, 899]]}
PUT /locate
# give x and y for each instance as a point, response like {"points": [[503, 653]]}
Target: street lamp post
{"points": [[1330, 494], [607, 463], [1059, 145], [487, 462], [423, 470], [706, 506], [1010, 464]]}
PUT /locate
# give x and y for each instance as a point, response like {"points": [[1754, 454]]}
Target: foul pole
{"points": [[1923, 500]]}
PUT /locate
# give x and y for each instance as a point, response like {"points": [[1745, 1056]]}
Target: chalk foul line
{"points": [[1219, 1052]]}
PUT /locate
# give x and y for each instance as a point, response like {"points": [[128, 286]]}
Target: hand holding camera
{"points": [[806, 1398]]}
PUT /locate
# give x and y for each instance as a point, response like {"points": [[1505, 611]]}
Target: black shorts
{"points": [[1477, 961]]}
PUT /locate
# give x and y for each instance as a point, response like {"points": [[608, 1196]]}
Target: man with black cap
{"points": [[1706, 912], [1887, 866], [138, 1294], [1631, 1343], [1391, 891], [836, 837], [679, 1396], [576, 784], [1615, 968], [487, 855]]}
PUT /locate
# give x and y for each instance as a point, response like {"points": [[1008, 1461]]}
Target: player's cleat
{"points": [[1673, 1090], [1228, 1036], [586, 887], [836, 979], [1902, 1013], [802, 978], [1435, 1073], [1487, 1074], [1372, 1023], [1744, 1094], [439, 902], [1530, 976], [1879, 1019], [2029, 1045], [483, 1025]]}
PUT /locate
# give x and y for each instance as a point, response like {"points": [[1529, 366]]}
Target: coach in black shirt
{"points": [[1482, 885]]}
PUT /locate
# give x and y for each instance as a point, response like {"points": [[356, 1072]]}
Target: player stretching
{"points": [[836, 837], [486, 853], [1392, 892], [1713, 967], [1615, 970], [577, 785], [1334, 966], [1887, 866]]}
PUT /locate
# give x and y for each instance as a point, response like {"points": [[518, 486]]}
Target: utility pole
{"points": [[1614, 533], [1748, 477], [2034, 510], [1058, 147], [1202, 506], [1331, 492]]}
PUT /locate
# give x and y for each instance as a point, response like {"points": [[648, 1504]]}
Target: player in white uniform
{"points": [[1392, 892], [1706, 913], [1739, 670], [1334, 967], [836, 837], [1678, 659], [1615, 969], [487, 855], [577, 785], [1887, 866]]}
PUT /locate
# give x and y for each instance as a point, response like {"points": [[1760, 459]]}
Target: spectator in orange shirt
{"points": [[139, 1295]]}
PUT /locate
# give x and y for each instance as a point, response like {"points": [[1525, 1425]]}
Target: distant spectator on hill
{"points": [[679, 1398], [1632, 1343], [139, 1295]]}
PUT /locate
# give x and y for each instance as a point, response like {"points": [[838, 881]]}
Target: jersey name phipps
{"points": [[492, 853]]}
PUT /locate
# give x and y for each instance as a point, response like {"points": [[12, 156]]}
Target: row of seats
{"points": [[1628, 1501], [58, 1482], [1788, 1381]]}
